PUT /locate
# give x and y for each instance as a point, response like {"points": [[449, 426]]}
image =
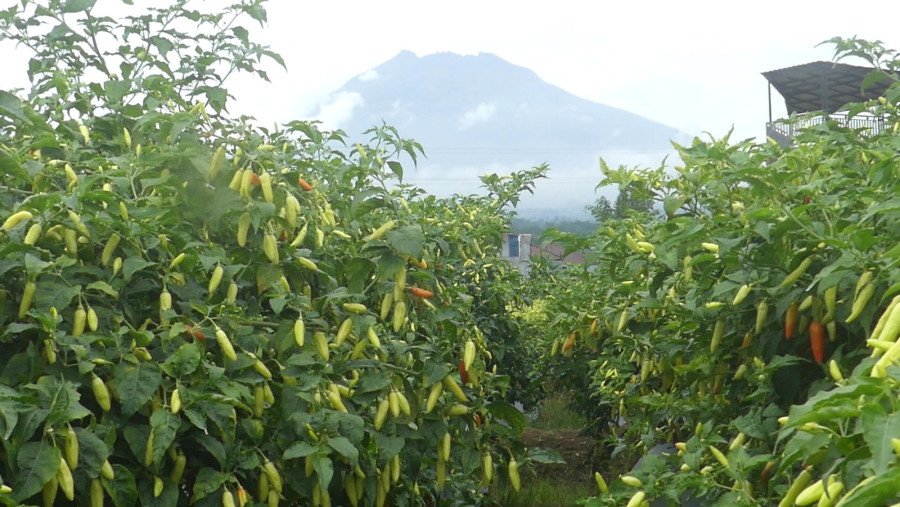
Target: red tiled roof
{"points": [[555, 251]]}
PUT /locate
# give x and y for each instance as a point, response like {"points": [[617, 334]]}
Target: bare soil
{"points": [[581, 454]]}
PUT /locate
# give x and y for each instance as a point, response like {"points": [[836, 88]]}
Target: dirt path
{"points": [[578, 451]]}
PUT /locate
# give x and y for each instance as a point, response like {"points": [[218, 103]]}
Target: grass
{"points": [[553, 487], [539, 492], [554, 414]]}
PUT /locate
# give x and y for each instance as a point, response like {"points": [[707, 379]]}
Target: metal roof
{"points": [[823, 86]]}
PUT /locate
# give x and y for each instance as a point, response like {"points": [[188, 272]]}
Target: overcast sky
{"points": [[692, 65]]}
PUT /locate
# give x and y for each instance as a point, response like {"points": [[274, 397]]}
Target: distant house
{"points": [[516, 249], [556, 252], [825, 88], [519, 250]]}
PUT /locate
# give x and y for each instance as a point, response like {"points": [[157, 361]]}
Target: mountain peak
{"points": [[484, 113], [438, 97]]}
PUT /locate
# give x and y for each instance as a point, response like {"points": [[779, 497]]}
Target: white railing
{"points": [[784, 131]]}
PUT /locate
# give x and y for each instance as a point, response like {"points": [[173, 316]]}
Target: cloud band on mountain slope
{"points": [[338, 112], [480, 114]]}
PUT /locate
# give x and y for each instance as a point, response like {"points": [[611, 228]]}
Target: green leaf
{"points": [[37, 463], [434, 372], [396, 168], [277, 304], [136, 437], [267, 276], [358, 271], [222, 415], [751, 425], [388, 446], [11, 106], [242, 34], [764, 229], [165, 426], [504, 411], [672, 204], [64, 405], [366, 201], [104, 287], [122, 489], [132, 265], [215, 448], [470, 458], [256, 12], [408, 240], [887, 207], [299, 450], [162, 44], [167, 498], [217, 97], [388, 265], [547, 456], [9, 165], [874, 77], [345, 449], [351, 426], [863, 239], [371, 383], [30, 419], [837, 403], [284, 336], [184, 361], [136, 384], [8, 418], [878, 429], [34, 265], [61, 33], [881, 490], [92, 452], [116, 90], [324, 470], [7, 264], [197, 418], [77, 5], [208, 481], [56, 294]]}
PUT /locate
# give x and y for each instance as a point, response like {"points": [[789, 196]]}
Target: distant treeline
{"points": [[536, 227], [601, 210]]}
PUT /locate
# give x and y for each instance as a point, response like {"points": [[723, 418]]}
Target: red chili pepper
{"points": [[463, 374], [304, 185], [422, 293], [764, 477], [790, 320], [195, 333], [567, 345], [817, 341], [254, 180]]}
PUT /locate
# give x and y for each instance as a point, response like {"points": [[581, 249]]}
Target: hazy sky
{"points": [[693, 65]]}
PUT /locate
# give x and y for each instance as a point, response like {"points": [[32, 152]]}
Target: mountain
{"points": [[480, 113]]}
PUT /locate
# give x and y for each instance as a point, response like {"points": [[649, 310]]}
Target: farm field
{"points": [[197, 310]]}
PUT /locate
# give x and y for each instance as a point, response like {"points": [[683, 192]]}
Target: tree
{"points": [[627, 201]]}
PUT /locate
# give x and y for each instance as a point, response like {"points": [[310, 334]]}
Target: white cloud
{"points": [[336, 113], [480, 114], [369, 75]]}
